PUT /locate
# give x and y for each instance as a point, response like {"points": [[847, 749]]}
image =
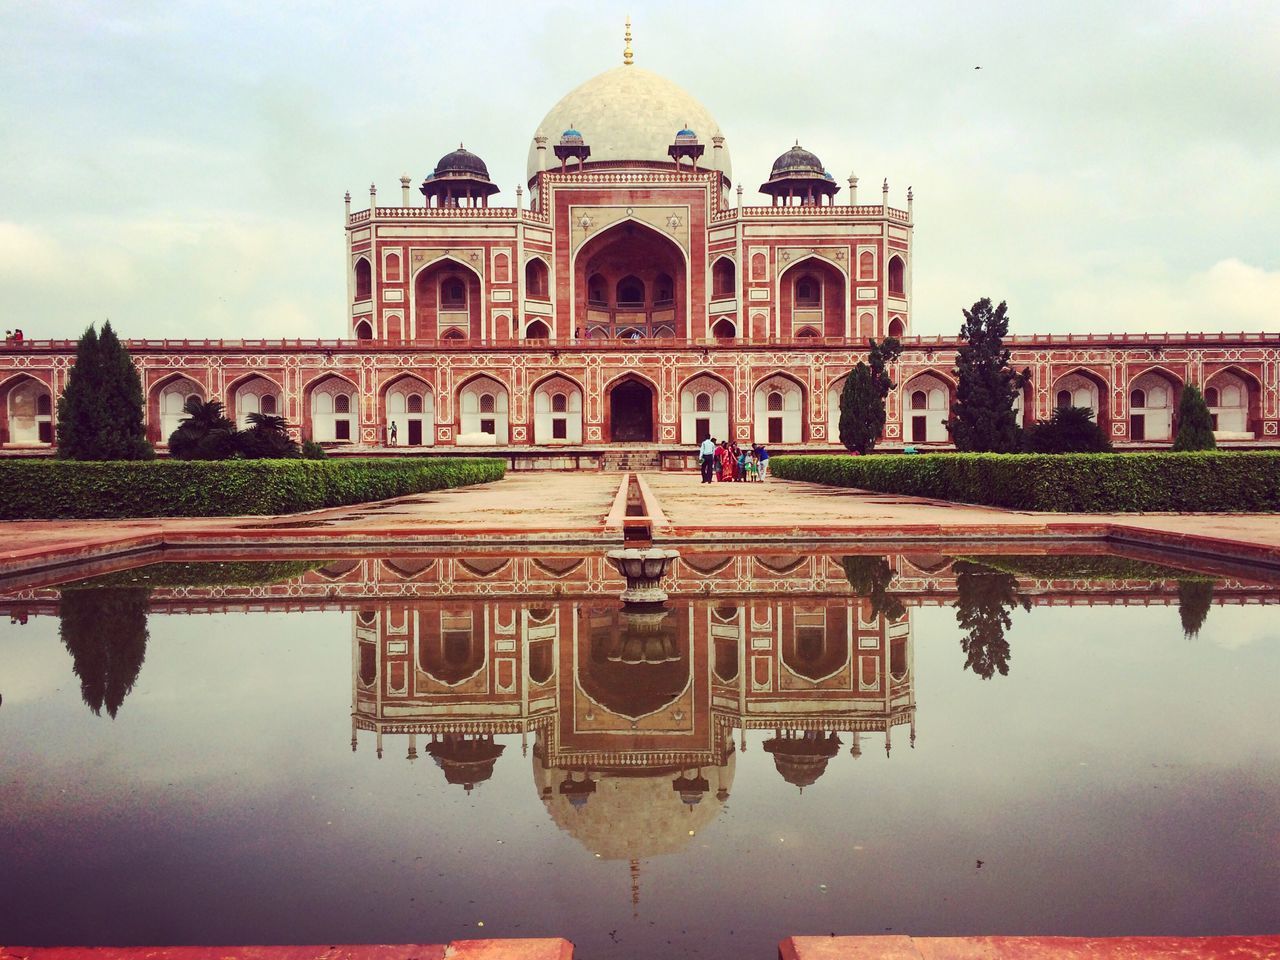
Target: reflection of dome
{"points": [[802, 758], [461, 161], [635, 815], [628, 113], [466, 761]]}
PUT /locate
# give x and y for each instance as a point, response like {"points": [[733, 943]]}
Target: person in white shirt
{"points": [[707, 452]]}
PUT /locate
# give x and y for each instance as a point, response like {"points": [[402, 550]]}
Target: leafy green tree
{"points": [[204, 434], [100, 411], [267, 438], [313, 451], [1195, 597], [1195, 422], [862, 413], [982, 418], [1069, 430], [870, 578], [105, 631], [984, 597]]}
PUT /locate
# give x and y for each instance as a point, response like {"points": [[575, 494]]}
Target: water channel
{"points": [[422, 747]]}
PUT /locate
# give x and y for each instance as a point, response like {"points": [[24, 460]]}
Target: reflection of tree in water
{"points": [[870, 578], [1195, 597], [984, 598], [105, 631]]}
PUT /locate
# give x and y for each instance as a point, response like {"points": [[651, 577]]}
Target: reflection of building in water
{"points": [[632, 717]]}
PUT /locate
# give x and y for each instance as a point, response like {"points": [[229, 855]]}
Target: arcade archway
{"points": [[631, 405]]}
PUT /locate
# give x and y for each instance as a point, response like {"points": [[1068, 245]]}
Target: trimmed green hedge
{"points": [[67, 489], [1077, 483]]}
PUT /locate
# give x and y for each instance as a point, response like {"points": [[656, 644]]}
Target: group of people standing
{"points": [[727, 462]]}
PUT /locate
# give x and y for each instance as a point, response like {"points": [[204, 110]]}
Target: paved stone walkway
{"points": [[530, 508]]}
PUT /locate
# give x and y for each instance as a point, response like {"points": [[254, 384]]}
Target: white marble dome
{"points": [[628, 113]]}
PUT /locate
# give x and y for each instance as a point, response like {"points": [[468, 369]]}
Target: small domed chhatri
{"points": [[460, 179], [799, 177]]}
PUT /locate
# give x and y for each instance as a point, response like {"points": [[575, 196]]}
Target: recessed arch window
{"points": [[364, 279], [866, 265], [723, 278], [1211, 397], [342, 403], [630, 292], [364, 331], [557, 412], [392, 267], [775, 401], [897, 276], [1064, 399], [597, 291], [702, 403], [664, 289], [453, 294], [536, 281], [1137, 398], [808, 292], [919, 400]]}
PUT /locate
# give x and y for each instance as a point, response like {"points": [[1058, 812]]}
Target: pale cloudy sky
{"points": [[179, 167]]}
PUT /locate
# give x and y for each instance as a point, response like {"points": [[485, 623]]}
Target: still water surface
{"points": [[405, 750]]}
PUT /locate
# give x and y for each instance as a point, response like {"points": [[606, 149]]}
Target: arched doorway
{"points": [[631, 412], [631, 279], [29, 413], [926, 401]]}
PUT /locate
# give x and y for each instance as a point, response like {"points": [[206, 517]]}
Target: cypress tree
{"points": [[1195, 422], [100, 411], [862, 413], [982, 418], [105, 631]]}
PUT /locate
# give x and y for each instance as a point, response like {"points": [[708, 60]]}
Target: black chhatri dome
{"points": [[461, 161], [796, 161]]}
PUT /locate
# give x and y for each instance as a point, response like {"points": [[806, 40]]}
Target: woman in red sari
{"points": [[725, 462]]}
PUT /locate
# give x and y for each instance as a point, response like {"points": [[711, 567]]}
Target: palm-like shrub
{"points": [[266, 439], [1069, 430], [205, 433]]}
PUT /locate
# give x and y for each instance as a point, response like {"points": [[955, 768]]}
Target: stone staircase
{"points": [[635, 459]]}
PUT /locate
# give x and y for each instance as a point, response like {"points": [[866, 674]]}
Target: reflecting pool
{"points": [[421, 748]]}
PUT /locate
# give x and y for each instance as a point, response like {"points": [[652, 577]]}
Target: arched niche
{"points": [[484, 406], [779, 407], [630, 278], [813, 298], [332, 406], [926, 404], [26, 412], [704, 410], [447, 301], [254, 394], [409, 412], [168, 400], [557, 412]]}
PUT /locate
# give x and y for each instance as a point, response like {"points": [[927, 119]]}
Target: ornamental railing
{"points": [[26, 346]]}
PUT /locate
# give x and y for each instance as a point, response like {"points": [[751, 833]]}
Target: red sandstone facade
{"points": [[633, 302]]}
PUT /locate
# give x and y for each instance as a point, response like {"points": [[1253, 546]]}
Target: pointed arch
{"points": [[631, 248], [26, 411], [330, 409], [363, 272], [1083, 387], [632, 408], [253, 393], [433, 317], [537, 278], [1237, 412], [813, 293], [557, 410], [706, 402], [926, 404], [165, 401], [833, 407], [407, 404], [724, 277], [1153, 397], [779, 402], [484, 410]]}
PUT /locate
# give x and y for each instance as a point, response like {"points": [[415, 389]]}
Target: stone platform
{"points": [[590, 509]]}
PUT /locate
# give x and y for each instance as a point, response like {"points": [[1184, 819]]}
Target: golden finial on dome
{"points": [[627, 56]]}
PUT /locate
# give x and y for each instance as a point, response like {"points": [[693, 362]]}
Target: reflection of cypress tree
{"points": [[1194, 599], [984, 598], [870, 578], [105, 631]]}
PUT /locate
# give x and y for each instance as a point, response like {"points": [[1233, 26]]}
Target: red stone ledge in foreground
{"points": [[548, 949], [1028, 948]]}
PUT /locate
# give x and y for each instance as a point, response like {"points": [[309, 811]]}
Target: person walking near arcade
{"points": [[763, 454], [707, 458]]}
